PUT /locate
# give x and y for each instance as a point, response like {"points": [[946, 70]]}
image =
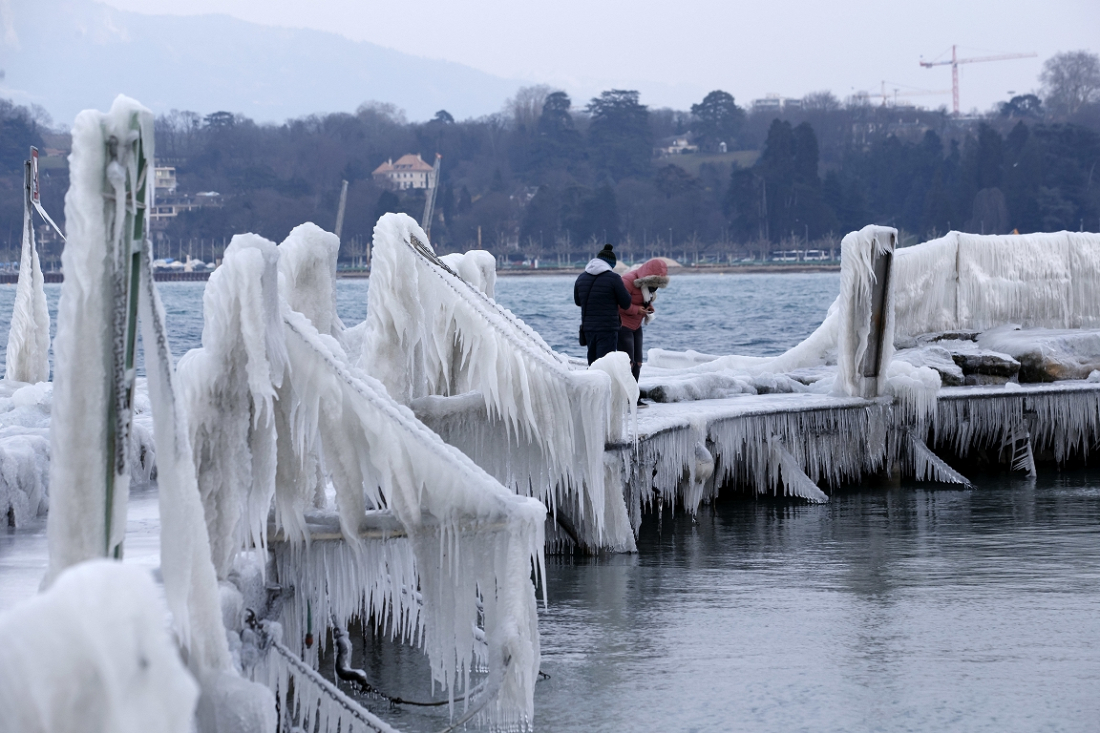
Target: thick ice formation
{"points": [[1046, 355], [108, 293], [915, 388], [475, 266], [307, 267], [25, 448], [89, 337], [186, 562], [474, 540], [959, 282], [24, 451], [28, 353], [230, 387], [975, 282], [92, 653], [431, 334], [468, 543], [858, 280]]}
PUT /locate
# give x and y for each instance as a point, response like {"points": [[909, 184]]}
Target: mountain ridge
{"points": [[68, 55]]}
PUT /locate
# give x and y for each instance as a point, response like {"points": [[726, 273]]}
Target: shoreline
{"points": [[800, 268], [56, 277], [703, 270]]}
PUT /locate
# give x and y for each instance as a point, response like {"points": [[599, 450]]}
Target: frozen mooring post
{"points": [[108, 295]]}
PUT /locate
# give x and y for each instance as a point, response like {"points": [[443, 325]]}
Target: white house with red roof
{"points": [[410, 171]]}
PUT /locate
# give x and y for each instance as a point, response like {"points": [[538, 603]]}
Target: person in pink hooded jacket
{"points": [[642, 283]]}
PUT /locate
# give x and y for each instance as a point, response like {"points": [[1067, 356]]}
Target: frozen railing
{"points": [[487, 383], [975, 282], [278, 414]]}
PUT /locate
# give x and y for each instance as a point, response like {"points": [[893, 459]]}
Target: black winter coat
{"points": [[604, 295]]}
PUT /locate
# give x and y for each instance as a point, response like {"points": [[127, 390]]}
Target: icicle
{"points": [[467, 531], [795, 482], [310, 702], [927, 466], [190, 581], [1017, 441], [28, 350]]}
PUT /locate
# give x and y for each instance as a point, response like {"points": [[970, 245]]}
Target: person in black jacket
{"points": [[600, 292]]}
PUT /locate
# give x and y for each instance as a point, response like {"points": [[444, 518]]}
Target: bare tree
{"points": [[385, 110], [823, 101], [1071, 80], [526, 107]]}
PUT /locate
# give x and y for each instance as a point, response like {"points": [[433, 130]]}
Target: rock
{"points": [[937, 358], [987, 364], [948, 336], [1047, 355]]}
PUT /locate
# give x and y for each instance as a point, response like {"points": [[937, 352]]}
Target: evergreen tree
{"points": [[715, 120], [557, 143], [618, 135]]}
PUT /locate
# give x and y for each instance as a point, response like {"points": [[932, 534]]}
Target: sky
{"points": [[675, 52]]}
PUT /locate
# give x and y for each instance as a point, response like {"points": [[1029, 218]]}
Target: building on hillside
{"points": [[675, 145], [164, 181], [168, 202], [776, 103], [410, 171]]}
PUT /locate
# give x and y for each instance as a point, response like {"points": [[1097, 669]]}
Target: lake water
{"points": [[744, 314], [891, 608]]}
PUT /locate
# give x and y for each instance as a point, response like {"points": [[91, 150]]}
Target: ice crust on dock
{"points": [[400, 470]]}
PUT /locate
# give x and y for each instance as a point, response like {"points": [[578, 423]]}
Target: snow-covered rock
{"points": [[1047, 355]]}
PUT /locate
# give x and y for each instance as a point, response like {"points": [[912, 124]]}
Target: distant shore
{"points": [[698, 270], [56, 277]]}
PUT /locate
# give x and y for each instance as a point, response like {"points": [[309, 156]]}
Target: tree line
{"points": [[550, 178]]}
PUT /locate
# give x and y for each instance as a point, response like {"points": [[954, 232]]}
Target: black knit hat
{"points": [[607, 253]]}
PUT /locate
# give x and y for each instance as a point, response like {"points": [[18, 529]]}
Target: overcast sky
{"points": [[673, 52]]}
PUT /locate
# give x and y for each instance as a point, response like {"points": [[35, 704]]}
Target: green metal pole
{"points": [[125, 281]]}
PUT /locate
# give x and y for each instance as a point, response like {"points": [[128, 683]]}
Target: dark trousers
{"points": [[631, 342], [601, 343]]}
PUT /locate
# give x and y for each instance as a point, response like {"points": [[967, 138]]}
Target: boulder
{"points": [[1047, 355]]}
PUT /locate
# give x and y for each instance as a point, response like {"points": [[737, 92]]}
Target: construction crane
{"points": [[955, 61], [429, 197]]}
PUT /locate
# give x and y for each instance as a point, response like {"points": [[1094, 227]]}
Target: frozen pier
{"points": [[799, 444]]}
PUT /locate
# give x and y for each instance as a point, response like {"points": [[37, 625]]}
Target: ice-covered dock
{"points": [[797, 444]]}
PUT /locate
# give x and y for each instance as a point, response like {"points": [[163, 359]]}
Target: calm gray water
{"points": [[723, 314], [892, 608]]}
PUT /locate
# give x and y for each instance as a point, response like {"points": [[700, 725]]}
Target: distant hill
{"points": [[68, 55]]}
